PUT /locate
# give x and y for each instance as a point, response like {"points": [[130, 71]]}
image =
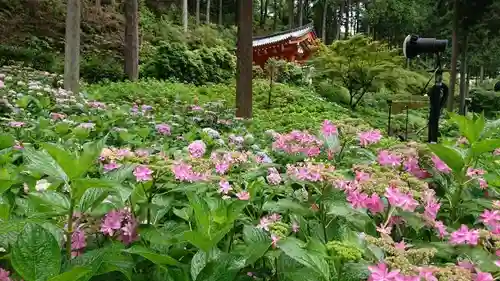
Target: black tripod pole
{"points": [[437, 99]]}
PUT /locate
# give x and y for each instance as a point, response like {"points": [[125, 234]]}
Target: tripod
{"points": [[438, 94]]}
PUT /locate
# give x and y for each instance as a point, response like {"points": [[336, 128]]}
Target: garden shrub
{"points": [[484, 100], [36, 58], [96, 68], [175, 62]]}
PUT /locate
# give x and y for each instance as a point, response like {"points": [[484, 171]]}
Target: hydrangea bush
{"points": [[93, 191]]}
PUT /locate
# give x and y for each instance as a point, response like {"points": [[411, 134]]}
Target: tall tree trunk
{"points": [[220, 11], [347, 18], [72, 46], [244, 61], [340, 19], [208, 11], [98, 6], [291, 13], [276, 15], [198, 12], [261, 21], [358, 18], [454, 57], [463, 75], [323, 21], [185, 15], [266, 10], [132, 39], [301, 12]]}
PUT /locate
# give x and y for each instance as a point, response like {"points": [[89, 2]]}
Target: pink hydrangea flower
{"points": [[471, 172], [357, 199], [4, 274], [295, 227], [16, 124], [465, 236], [490, 218], [163, 129], [111, 223], [143, 173], [273, 177], [224, 187], [274, 239], [441, 228], [57, 116], [381, 272], [184, 172], [398, 199], [440, 165], [483, 276], [431, 210], [387, 159], [221, 167], [369, 137], [496, 152], [243, 195], [328, 129], [374, 204], [197, 149], [427, 274], [111, 166], [1, 86]]}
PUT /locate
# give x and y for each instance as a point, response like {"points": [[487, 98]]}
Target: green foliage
{"points": [[98, 68], [486, 101], [363, 66], [38, 59], [176, 62]]}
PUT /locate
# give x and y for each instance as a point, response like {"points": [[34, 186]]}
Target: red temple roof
{"points": [[292, 45]]}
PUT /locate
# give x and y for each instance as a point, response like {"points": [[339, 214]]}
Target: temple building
{"points": [[292, 45]]}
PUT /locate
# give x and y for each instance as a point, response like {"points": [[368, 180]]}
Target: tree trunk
{"points": [[340, 20], [301, 12], [454, 57], [276, 15], [347, 19], [358, 18], [291, 13], [98, 6], [72, 46], [185, 15], [198, 12], [323, 21], [220, 11], [132, 39], [463, 77], [481, 74], [244, 61], [266, 10], [261, 21], [208, 11]]}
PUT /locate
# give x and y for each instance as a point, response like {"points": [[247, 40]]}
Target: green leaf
{"points": [[486, 145], [91, 152], [286, 205], [79, 186], [257, 243], [183, 213], [49, 201], [292, 248], [225, 268], [4, 208], [6, 141], [36, 255], [198, 239], [41, 162], [91, 198], [450, 156], [64, 159], [471, 129], [200, 260], [201, 213], [73, 274], [152, 256], [482, 259]]}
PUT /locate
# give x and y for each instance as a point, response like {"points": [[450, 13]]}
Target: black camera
{"points": [[414, 45]]}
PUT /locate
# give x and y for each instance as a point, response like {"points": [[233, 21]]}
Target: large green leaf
{"points": [[36, 255], [486, 145], [6, 141], [91, 198], [201, 213], [285, 206], [49, 201], [64, 159], [41, 162], [4, 208], [200, 260], [449, 155], [105, 260], [225, 268], [89, 156], [292, 247], [76, 273], [257, 242], [79, 186], [156, 258], [469, 128]]}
